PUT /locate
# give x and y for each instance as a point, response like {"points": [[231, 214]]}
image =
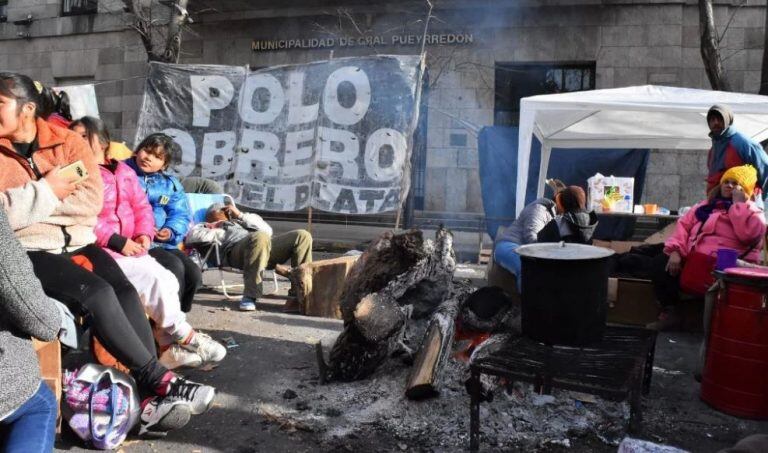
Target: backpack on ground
{"points": [[100, 405]]}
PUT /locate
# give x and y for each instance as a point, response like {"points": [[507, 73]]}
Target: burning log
{"points": [[479, 314], [373, 298], [486, 309], [436, 346]]}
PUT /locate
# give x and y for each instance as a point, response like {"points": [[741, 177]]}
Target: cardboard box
{"points": [[319, 286], [616, 246], [633, 301], [630, 301]]}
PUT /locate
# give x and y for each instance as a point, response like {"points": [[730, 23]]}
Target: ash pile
{"points": [[400, 365]]}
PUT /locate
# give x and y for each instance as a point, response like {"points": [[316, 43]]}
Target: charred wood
{"points": [[372, 302]]}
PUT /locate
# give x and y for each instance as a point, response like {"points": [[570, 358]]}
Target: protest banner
{"points": [[332, 135]]}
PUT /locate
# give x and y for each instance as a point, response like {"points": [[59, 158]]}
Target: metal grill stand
{"points": [[617, 368]]}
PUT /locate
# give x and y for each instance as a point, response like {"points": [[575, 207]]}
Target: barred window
{"points": [[516, 81], [75, 7]]}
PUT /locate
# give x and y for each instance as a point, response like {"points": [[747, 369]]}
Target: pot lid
{"points": [[563, 251]]}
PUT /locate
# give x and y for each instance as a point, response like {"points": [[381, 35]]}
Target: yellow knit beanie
{"points": [[745, 175]]}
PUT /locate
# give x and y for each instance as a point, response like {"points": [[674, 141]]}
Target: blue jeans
{"points": [[504, 254], [31, 428]]}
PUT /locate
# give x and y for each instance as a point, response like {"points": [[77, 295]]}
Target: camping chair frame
{"points": [[215, 248]]}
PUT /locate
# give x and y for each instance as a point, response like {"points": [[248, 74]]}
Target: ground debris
{"points": [[284, 419], [289, 394], [516, 418]]}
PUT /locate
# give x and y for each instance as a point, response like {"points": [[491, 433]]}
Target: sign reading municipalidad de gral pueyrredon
{"points": [[260, 45], [333, 135]]}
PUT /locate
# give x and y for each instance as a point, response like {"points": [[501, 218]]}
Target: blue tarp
{"points": [[498, 176]]}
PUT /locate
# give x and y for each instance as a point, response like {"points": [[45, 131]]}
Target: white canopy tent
{"points": [[645, 117]]}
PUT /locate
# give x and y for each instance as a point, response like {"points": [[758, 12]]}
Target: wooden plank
{"points": [[319, 286], [49, 357]]}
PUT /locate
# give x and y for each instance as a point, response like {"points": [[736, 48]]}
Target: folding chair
{"points": [[198, 205]]}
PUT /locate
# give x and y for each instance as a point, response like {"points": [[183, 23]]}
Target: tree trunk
{"points": [[710, 47], [173, 43], [764, 72], [144, 25]]}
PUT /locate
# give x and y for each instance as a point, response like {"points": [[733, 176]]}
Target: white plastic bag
{"points": [[610, 193]]}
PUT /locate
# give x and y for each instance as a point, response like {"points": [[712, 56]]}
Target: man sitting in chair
{"points": [[246, 242]]}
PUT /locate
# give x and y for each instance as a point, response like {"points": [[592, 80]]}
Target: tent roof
{"points": [[646, 116]]}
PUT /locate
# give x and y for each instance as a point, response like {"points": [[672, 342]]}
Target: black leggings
{"points": [[665, 286], [113, 304], [186, 271]]}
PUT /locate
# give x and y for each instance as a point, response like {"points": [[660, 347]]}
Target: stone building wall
{"points": [[630, 42]]}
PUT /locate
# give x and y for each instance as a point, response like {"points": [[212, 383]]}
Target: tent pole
{"points": [[546, 151]]}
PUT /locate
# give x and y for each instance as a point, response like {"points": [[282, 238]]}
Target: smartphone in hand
{"points": [[74, 172]]}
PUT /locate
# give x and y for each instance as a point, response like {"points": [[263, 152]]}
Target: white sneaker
{"points": [[160, 415], [209, 350], [177, 356]]}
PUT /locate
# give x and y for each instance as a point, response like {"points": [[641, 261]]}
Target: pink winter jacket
{"points": [[126, 213], [738, 228]]}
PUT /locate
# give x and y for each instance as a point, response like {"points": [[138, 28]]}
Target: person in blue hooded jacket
{"points": [[731, 148], [172, 214]]}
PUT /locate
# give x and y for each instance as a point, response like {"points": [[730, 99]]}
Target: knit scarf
{"points": [[704, 211]]}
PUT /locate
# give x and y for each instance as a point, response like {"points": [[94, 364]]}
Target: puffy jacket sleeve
{"points": [[31, 203], [678, 241], [754, 154], [103, 231], [87, 199], [177, 213], [23, 304], [143, 215], [535, 222], [748, 222]]}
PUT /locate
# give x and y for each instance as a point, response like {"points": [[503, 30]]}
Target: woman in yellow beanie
{"points": [[728, 219]]}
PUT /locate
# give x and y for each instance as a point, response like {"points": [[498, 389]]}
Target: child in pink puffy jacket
{"points": [[728, 219], [125, 228]]}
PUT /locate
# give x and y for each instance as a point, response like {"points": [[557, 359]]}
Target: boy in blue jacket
{"points": [[172, 215]]}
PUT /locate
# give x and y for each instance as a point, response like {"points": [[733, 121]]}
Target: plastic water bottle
{"points": [[627, 203]]}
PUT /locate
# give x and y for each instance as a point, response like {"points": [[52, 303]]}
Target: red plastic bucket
{"points": [[735, 377]]}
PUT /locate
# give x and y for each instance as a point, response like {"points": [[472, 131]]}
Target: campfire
{"points": [[401, 364], [400, 300]]}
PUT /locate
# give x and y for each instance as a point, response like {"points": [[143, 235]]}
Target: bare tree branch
{"points": [[730, 19], [710, 51], [161, 38], [345, 12]]}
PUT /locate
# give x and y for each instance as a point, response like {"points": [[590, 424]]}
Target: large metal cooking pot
{"points": [[564, 292]]}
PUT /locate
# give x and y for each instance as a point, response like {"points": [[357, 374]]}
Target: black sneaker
{"points": [[160, 415], [198, 396]]}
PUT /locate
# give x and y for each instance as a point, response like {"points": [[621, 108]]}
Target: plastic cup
{"points": [[650, 208], [726, 258], [639, 209]]}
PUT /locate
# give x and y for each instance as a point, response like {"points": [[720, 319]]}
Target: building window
{"points": [[516, 81], [75, 7], [3, 10]]}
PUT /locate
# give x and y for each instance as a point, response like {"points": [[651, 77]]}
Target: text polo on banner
{"points": [[334, 135]]}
